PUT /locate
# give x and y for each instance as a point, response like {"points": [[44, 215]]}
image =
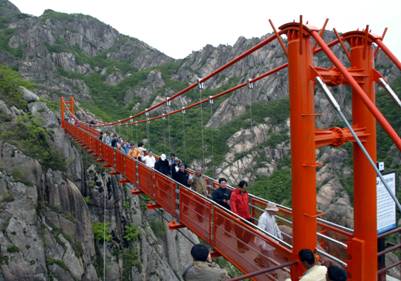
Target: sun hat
{"points": [[163, 157], [271, 207]]}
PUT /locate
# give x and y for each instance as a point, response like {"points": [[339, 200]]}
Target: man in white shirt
{"points": [[267, 222], [314, 271], [149, 160]]}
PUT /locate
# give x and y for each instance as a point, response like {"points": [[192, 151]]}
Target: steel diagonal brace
{"points": [[359, 91], [280, 40], [337, 107]]}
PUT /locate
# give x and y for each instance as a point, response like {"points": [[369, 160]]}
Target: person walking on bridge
{"points": [[239, 203], [222, 197], [149, 160], [137, 152], [335, 273], [222, 194], [162, 165], [181, 175], [267, 222], [202, 268], [314, 271], [198, 182]]}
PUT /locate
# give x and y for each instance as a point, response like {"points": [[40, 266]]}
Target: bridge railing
{"points": [[332, 238], [385, 249], [239, 241]]}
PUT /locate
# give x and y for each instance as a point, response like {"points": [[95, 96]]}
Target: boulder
{"points": [[40, 109], [22, 168], [16, 111], [5, 113], [28, 95]]}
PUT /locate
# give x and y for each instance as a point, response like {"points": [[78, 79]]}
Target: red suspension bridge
{"points": [[356, 249]]}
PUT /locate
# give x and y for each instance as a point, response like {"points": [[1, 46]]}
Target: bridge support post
{"points": [[302, 126], [72, 105], [363, 247], [62, 113], [71, 108]]}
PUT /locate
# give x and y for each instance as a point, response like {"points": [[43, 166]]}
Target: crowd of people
{"points": [[236, 200]]}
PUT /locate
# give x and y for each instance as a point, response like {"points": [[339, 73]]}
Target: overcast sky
{"points": [[178, 27]]}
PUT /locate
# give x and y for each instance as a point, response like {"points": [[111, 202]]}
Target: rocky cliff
{"points": [[63, 217]]}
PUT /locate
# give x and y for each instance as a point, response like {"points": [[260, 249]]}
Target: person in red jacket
{"points": [[239, 202]]}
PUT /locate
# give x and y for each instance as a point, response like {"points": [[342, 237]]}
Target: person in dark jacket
{"points": [[162, 165], [114, 141], [202, 268], [222, 197], [172, 160], [222, 194], [181, 176]]}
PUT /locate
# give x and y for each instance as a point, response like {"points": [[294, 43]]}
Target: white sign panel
{"points": [[386, 215]]}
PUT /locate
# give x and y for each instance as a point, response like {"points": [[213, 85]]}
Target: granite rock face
{"points": [[51, 218]]}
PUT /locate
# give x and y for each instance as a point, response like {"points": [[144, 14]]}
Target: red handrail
{"points": [[262, 271], [223, 230]]}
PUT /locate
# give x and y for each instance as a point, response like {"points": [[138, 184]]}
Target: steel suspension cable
{"points": [[146, 111], [201, 124], [104, 233], [132, 134], [184, 134], [148, 134], [164, 131], [250, 86], [390, 91], [117, 130], [137, 133], [207, 77], [169, 133], [212, 140], [223, 93], [337, 107], [358, 89], [125, 136], [192, 86]]}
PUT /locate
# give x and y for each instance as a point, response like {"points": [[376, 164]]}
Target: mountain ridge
{"points": [[246, 136]]}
